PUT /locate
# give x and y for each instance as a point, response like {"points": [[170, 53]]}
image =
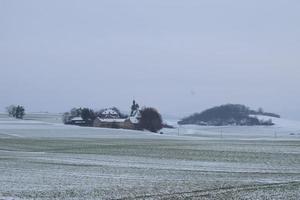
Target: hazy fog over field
{"points": [[178, 56]]}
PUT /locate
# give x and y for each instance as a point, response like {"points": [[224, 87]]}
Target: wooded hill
{"points": [[229, 114]]}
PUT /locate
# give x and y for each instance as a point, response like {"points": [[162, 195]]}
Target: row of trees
{"points": [[16, 111]]}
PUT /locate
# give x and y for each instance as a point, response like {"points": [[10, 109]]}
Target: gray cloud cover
{"points": [[178, 56]]}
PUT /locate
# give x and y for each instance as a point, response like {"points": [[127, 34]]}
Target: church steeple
{"points": [[134, 108]]}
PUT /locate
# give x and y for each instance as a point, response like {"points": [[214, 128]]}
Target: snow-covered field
{"points": [[42, 159]]}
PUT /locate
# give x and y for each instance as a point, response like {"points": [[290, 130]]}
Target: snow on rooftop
{"points": [[109, 111], [111, 120], [77, 119]]}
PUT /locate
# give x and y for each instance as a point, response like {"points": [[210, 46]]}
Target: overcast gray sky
{"points": [[180, 56]]}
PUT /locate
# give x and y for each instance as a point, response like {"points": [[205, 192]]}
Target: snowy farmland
{"points": [[43, 159]]}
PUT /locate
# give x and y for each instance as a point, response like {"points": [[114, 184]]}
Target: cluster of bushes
{"points": [[229, 114], [16, 111]]}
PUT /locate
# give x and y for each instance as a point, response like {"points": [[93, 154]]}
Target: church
{"points": [[109, 118]]}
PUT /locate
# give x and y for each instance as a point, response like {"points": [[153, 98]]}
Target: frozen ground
{"points": [[43, 159]]}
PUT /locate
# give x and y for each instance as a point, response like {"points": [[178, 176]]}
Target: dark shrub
{"points": [[16, 111], [150, 120], [88, 115]]}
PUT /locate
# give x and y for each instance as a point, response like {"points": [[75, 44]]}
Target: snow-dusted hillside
{"points": [[280, 122], [283, 129], [43, 160]]}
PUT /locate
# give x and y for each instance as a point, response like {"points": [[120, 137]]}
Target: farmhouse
{"points": [[77, 121], [109, 118], [110, 114]]}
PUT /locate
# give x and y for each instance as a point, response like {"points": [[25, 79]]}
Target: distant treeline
{"points": [[229, 114]]}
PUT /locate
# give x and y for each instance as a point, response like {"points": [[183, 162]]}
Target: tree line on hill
{"points": [[229, 114]]}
